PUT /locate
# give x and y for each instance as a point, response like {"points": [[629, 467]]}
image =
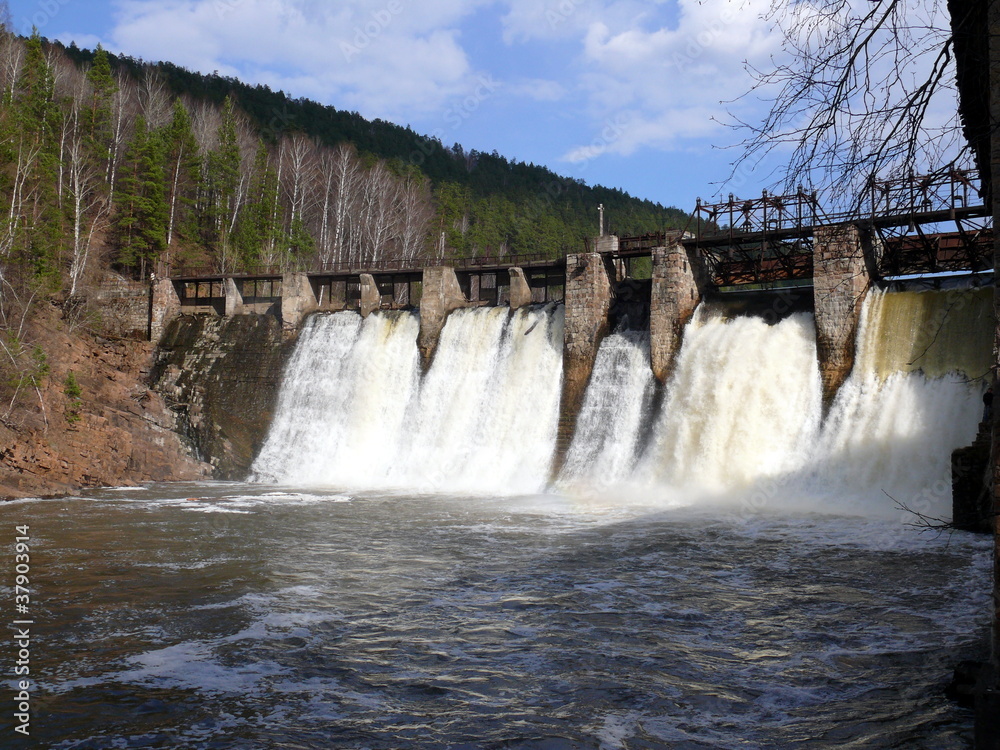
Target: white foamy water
{"points": [[744, 404], [340, 412], [612, 418], [891, 430], [740, 418], [354, 411]]}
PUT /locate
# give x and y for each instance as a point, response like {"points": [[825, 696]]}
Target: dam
{"points": [[604, 509]]}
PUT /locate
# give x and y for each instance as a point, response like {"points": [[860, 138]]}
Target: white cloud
{"points": [[538, 89], [673, 78], [385, 58]]}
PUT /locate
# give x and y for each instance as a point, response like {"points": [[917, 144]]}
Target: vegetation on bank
{"points": [[111, 163]]}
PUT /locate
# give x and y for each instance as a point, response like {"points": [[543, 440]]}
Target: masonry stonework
{"points": [[164, 306], [371, 298], [840, 281], [440, 295], [588, 299], [674, 297], [297, 300]]}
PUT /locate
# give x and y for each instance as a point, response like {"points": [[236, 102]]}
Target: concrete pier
{"points": [[441, 294], [371, 298], [675, 294], [840, 282], [297, 299], [164, 306], [588, 299], [234, 299], [520, 291]]}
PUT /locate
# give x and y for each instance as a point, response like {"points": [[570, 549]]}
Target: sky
{"points": [[633, 95]]}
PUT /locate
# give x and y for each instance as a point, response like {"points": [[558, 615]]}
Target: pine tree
{"points": [[182, 166], [142, 199]]}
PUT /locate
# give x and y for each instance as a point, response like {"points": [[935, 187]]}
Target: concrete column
{"points": [[607, 244], [234, 300], [674, 297], [297, 299], [164, 306], [441, 294], [588, 298], [840, 281], [371, 298], [520, 291]]}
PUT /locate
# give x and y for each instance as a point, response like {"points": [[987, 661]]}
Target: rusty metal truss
{"points": [[769, 240]]}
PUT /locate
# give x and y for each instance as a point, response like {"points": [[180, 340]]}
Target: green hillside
{"points": [[110, 160]]}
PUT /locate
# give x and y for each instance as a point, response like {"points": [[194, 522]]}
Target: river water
{"points": [[254, 616]]}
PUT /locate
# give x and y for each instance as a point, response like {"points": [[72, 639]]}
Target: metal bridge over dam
{"points": [[785, 252], [760, 243]]}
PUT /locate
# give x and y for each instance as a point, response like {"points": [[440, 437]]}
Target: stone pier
{"points": [[164, 306], [520, 291], [675, 295], [234, 300], [588, 299], [840, 281], [297, 300], [371, 298], [440, 295]]}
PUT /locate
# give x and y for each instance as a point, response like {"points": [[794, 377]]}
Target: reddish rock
{"points": [[124, 435]]}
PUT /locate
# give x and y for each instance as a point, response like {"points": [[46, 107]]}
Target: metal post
{"points": [[600, 212]]}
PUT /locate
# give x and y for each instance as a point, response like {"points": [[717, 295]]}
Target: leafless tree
{"points": [[153, 99], [860, 90], [341, 169], [122, 124], [415, 215]]}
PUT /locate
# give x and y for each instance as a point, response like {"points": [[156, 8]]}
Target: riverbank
{"points": [[90, 419]]}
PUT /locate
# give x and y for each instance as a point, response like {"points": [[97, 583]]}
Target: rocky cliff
{"points": [[221, 377], [110, 429]]}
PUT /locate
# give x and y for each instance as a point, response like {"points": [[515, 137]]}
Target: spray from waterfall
{"points": [[354, 412]]}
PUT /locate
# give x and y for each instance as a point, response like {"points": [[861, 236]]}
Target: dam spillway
{"points": [[742, 410]]}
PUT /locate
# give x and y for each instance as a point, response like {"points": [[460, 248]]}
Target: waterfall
{"points": [[911, 399], [354, 411], [744, 404], [617, 402], [487, 412], [342, 404], [740, 417]]}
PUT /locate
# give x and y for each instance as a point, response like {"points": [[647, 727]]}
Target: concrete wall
{"points": [[441, 294], [675, 295], [588, 299], [221, 376], [840, 282]]}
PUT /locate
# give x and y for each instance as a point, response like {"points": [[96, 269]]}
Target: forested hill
{"points": [[111, 160], [494, 190]]}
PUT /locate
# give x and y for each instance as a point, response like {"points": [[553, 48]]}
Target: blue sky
{"points": [[616, 92]]}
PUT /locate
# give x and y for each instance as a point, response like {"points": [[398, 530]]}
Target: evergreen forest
{"points": [[111, 162]]}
